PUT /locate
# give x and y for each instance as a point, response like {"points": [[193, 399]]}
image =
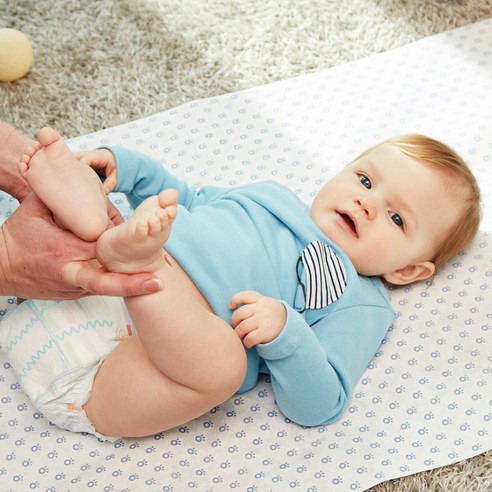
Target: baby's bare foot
{"points": [[70, 189], [136, 245]]}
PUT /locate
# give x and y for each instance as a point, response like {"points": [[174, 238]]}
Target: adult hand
{"points": [[38, 260]]}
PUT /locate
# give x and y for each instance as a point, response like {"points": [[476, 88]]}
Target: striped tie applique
{"points": [[326, 277]]}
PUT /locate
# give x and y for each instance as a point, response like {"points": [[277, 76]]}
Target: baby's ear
{"points": [[411, 273]]}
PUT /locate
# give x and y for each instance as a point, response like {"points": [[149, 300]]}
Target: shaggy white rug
{"points": [[101, 63]]}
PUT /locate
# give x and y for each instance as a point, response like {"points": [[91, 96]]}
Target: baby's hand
{"points": [[260, 319], [102, 161]]}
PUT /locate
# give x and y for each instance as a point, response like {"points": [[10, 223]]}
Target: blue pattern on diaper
{"points": [[65, 334], [25, 330]]}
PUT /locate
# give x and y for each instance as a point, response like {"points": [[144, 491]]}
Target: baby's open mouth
{"points": [[349, 222]]}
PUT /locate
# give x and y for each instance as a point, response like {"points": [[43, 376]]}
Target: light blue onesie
{"points": [[252, 237]]}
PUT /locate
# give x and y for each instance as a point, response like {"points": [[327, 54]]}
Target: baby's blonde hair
{"points": [[444, 159]]}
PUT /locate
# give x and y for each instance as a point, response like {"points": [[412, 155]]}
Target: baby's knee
{"points": [[231, 374]]}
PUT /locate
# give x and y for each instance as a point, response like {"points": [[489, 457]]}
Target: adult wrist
{"points": [[4, 265], [13, 144]]}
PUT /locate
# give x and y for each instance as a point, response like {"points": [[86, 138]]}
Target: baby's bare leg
{"points": [[183, 361], [70, 189]]}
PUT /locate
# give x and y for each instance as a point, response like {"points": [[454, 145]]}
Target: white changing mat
{"points": [[425, 401]]}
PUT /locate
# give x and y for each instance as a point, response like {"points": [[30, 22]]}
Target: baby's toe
{"points": [[31, 150], [23, 166], [168, 198], [171, 212], [48, 136], [141, 229], [155, 226]]}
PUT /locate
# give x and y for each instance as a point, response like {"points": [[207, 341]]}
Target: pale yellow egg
{"points": [[16, 55]]}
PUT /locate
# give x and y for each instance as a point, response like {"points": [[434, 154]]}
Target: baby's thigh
{"points": [[130, 397]]}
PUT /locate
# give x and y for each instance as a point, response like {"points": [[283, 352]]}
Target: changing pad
{"points": [[425, 400]]}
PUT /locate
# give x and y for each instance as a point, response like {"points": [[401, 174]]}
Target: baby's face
{"points": [[385, 211]]}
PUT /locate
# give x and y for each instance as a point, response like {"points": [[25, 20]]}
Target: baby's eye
{"points": [[396, 219], [365, 181]]}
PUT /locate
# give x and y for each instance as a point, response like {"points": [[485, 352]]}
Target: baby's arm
{"points": [[139, 177], [260, 319], [307, 387], [314, 368]]}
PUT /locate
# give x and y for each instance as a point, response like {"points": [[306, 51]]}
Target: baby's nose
{"points": [[367, 206]]}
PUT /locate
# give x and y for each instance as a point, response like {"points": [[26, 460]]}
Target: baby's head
{"points": [[401, 209]]}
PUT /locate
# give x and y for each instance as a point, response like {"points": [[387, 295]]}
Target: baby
{"points": [[253, 281]]}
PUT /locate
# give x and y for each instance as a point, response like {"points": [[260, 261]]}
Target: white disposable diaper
{"points": [[56, 348]]}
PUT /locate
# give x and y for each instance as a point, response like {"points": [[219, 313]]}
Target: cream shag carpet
{"points": [[105, 62]]}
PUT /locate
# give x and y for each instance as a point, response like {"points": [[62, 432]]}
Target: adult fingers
{"points": [[97, 281]]}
